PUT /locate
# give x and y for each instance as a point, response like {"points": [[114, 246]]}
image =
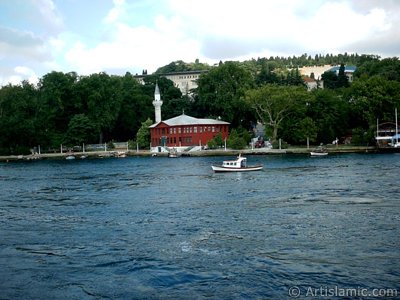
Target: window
{"points": [[195, 129], [213, 129], [179, 130], [201, 129], [170, 131]]}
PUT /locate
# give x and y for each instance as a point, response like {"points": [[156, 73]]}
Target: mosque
{"points": [[182, 132]]}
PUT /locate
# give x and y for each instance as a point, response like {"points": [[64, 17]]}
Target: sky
{"points": [[119, 36]]}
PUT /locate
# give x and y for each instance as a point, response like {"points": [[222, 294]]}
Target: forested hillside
{"points": [[69, 109]]}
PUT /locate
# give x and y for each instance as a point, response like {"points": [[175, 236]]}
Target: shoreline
{"points": [[219, 152]]}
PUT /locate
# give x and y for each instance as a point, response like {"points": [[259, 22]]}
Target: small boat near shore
{"points": [[173, 153], [120, 154], [238, 165], [319, 151]]}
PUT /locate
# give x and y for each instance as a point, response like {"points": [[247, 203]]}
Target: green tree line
{"points": [[68, 109]]}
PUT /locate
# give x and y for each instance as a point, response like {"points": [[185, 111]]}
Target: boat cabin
{"points": [[239, 163]]}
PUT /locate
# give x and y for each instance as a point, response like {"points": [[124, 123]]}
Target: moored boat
{"points": [[387, 138], [316, 153], [120, 154], [319, 151], [238, 165], [173, 153]]}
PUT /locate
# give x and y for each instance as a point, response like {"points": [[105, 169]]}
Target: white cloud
{"points": [[147, 34], [134, 48], [114, 14], [221, 30], [228, 29], [18, 74], [47, 16]]}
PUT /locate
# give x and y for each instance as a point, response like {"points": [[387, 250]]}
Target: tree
{"points": [[267, 74], [372, 98], [330, 80], [143, 134], [329, 110], [80, 130], [57, 104], [342, 80], [220, 94], [102, 97], [18, 106], [306, 129], [136, 107], [235, 140], [273, 103]]}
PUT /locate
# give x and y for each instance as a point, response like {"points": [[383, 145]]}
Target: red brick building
{"points": [[185, 131]]}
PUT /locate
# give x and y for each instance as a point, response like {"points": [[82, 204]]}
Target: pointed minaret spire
{"points": [[157, 104]]}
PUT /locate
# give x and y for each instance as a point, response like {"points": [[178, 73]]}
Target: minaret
{"points": [[157, 104]]}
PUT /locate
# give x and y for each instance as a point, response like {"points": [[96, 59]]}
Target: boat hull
{"points": [[389, 149], [318, 153], [243, 169]]}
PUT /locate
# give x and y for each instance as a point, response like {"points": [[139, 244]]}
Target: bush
{"points": [[275, 144], [110, 146], [235, 141], [362, 137], [212, 144]]}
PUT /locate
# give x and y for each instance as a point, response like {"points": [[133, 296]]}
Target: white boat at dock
{"points": [[319, 151], [238, 165], [173, 153]]}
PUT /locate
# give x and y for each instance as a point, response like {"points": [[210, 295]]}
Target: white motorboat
{"points": [[173, 153], [238, 165], [319, 151], [121, 154], [316, 153]]}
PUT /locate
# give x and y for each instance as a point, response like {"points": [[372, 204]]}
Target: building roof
{"points": [[188, 120], [308, 79], [349, 69], [157, 90]]}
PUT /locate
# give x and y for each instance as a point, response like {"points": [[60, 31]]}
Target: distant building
{"points": [[316, 70], [311, 83], [185, 131], [312, 75], [182, 131], [185, 81], [348, 71]]}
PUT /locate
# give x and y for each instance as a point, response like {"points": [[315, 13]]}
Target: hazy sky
{"points": [[116, 36]]}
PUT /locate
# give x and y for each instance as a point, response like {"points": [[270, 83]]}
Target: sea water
{"points": [[161, 228]]}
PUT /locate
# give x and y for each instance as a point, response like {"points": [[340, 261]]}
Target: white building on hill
{"points": [[185, 81]]}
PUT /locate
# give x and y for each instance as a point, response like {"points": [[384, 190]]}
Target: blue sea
{"points": [[163, 228]]}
